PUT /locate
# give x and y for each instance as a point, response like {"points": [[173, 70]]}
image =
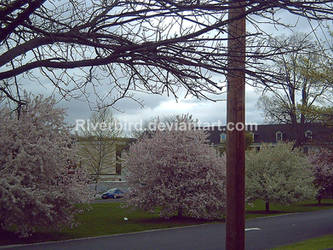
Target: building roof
{"points": [[266, 133]]}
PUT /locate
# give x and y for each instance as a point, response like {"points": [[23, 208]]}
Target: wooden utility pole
{"points": [[235, 221]]}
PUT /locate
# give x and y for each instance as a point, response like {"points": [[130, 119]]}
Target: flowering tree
{"points": [[177, 170], [39, 181], [322, 163], [278, 174]]}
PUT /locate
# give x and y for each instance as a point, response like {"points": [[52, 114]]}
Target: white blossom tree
{"points": [[278, 174], [39, 180], [177, 170], [322, 163]]}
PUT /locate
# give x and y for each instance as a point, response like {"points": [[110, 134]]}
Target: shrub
{"points": [[322, 167], [39, 181], [177, 171], [278, 174]]}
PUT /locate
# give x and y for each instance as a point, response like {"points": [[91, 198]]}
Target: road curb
{"points": [[133, 233], [105, 236]]}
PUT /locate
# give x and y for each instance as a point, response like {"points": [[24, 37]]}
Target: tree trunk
{"points": [[267, 206], [180, 212], [96, 185], [319, 199]]}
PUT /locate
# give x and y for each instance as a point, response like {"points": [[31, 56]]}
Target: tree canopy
{"points": [[152, 46], [303, 87], [322, 167], [41, 182], [278, 174], [175, 169]]}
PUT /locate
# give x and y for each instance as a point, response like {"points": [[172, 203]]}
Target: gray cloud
{"points": [[156, 105]]}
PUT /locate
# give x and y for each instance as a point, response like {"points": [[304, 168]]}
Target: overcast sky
{"points": [[163, 106], [203, 110]]}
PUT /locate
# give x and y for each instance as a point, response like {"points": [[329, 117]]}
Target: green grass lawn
{"points": [[319, 243], [258, 210], [108, 218], [104, 219]]}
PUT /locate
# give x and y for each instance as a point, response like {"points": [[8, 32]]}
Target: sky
{"points": [[207, 112], [214, 113], [132, 114]]}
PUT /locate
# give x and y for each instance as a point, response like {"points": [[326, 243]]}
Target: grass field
{"points": [[258, 210], [108, 218], [319, 243]]}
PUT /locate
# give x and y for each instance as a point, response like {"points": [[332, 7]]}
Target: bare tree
{"points": [[98, 143], [304, 83], [151, 46]]}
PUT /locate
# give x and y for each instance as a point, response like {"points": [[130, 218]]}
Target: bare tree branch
{"points": [[23, 16], [154, 46]]}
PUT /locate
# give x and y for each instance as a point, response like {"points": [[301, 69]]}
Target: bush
{"points": [[278, 174], [322, 168], [39, 181], [177, 171]]}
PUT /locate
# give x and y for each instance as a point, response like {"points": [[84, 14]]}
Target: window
{"points": [[223, 137], [308, 134], [279, 136]]}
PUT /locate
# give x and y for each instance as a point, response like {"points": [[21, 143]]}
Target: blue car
{"points": [[113, 193]]}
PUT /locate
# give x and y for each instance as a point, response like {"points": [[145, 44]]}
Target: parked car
{"points": [[113, 193]]}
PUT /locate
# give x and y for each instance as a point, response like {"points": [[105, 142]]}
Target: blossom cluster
{"points": [[177, 171], [39, 179], [322, 163], [278, 174]]}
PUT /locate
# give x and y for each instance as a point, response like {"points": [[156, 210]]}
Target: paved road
{"points": [[274, 231]]}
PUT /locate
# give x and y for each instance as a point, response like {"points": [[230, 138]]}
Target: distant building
{"points": [[109, 162], [316, 135]]}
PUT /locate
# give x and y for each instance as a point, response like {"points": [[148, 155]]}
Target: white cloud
{"points": [[207, 112]]}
